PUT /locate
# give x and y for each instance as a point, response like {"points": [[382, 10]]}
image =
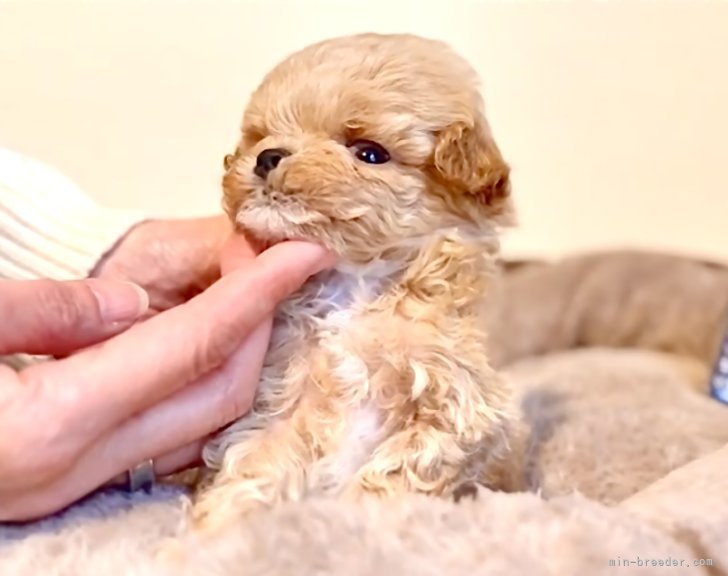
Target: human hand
{"points": [[155, 390], [173, 260]]}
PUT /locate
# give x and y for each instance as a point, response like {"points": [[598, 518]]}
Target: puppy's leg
{"points": [[458, 429], [419, 459], [468, 490], [264, 469]]}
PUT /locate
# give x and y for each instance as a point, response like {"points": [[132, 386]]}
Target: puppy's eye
{"points": [[369, 152]]}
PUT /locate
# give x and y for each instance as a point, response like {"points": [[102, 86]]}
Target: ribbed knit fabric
{"points": [[48, 227]]}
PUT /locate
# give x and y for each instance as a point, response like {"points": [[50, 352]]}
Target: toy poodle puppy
{"points": [[377, 378]]}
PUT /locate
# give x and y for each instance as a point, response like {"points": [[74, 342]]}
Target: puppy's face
{"points": [[366, 144]]}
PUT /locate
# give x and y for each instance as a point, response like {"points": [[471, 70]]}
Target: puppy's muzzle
{"points": [[268, 161]]}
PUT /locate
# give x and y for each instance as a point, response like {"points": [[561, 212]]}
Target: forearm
{"points": [[48, 227]]}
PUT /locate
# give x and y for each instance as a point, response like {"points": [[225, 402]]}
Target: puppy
{"points": [[377, 377]]}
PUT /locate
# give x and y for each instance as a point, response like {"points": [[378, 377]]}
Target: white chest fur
{"points": [[331, 313]]}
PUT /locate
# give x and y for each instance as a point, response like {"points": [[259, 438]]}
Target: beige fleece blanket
{"points": [[627, 457]]}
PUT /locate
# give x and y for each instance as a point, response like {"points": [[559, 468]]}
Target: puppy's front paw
{"points": [[170, 553], [466, 490]]}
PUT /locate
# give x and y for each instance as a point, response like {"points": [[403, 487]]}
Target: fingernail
{"points": [[328, 261], [119, 301], [319, 257]]}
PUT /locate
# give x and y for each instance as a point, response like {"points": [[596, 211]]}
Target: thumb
{"points": [[57, 318]]}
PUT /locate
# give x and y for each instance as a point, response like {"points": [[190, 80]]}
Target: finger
{"points": [[195, 411], [55, 318], [235, 252], [178, 460], [283, 257], [169, 431], [105, 385], [35, 504]]}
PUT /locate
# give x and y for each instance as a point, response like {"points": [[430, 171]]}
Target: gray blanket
{"points": [[610, 356]]}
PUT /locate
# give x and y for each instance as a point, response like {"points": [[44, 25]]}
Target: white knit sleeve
{"points": [[48, 227]]}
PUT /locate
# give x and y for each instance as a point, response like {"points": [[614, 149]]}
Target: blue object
{"points": [[719, 378]]}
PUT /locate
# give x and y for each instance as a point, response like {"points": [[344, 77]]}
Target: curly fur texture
{"points": [[377, 379], [626, 452]]}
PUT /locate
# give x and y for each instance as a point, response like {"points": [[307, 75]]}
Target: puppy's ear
{"points": [[468, 160]]}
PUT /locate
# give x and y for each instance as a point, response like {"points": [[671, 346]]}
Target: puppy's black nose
{"points": [[268, 160]]}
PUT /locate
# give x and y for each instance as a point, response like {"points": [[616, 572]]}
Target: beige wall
{"points": [[613, 115]]}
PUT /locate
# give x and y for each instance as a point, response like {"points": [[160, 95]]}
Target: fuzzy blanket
{"points": [[627, 458]]}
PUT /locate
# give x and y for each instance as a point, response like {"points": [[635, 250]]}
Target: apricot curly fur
{"points": [[377, 379]]}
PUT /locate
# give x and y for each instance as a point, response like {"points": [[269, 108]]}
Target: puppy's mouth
{"points": [[261, 243], [266, 226]]}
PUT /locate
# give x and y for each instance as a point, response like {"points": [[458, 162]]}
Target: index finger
{"points": [[98, 388], [235, 252]]}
